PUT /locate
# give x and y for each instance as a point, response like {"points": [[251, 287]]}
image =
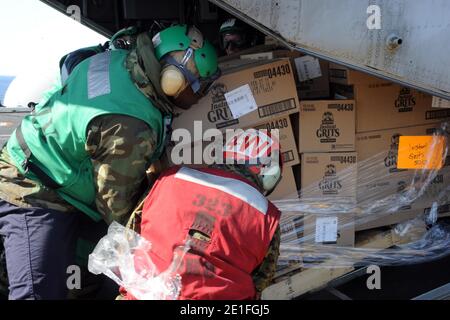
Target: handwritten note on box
{"points": [[421, 152]]}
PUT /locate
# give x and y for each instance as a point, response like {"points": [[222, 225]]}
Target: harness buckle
{"points": [[25, 166]]}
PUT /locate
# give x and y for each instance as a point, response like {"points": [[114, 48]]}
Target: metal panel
{"points": [[441, 293], [338, 31], [55, 4]]}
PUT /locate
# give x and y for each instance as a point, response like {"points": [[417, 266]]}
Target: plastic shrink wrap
{"points": [[403, 192]]}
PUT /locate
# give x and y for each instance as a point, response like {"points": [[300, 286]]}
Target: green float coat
{"points": [[56, 132]]}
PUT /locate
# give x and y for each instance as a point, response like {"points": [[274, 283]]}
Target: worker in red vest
{"points": [[233, 230]]}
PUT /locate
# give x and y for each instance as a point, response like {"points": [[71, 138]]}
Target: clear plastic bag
{"points": [[123, 256]]}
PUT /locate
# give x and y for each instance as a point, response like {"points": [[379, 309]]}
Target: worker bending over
{"points": [[86, 148], [233, 230]]}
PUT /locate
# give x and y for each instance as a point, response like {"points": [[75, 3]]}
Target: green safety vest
{"points": [[49, 145]]}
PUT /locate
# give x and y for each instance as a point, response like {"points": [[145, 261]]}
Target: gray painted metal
{"points": [[441, 293], [338, 294], [85, 21], [347, 277], [337, 30]]}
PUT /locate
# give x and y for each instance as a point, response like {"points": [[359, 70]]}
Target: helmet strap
{"points": [[151, 67], [193, 81]]}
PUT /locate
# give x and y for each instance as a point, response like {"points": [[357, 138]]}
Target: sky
{"points": [[33, 38], [32, 32]]}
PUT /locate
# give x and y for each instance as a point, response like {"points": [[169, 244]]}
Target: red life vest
{"points": [[237, 218]]}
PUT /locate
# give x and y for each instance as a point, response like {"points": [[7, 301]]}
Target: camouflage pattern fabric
{"points": [[150, 89], [242, 171], [121, 152], [263, 276], [23, 192], [120, 148]]}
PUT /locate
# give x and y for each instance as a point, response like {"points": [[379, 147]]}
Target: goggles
{"points": [[235, 40]]}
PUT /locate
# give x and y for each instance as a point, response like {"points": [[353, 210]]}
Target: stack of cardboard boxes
{"points": [[386, 111], [328, 167], [272, 85], [276, 80], [325, 137], [338, 145]]}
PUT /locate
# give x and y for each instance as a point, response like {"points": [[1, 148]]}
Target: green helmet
{"points": [[180, 38]]}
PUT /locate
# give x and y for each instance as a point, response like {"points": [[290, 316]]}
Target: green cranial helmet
{"points": [[181, 38]]}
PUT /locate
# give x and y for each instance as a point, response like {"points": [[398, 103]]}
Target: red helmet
{"points": [[259, 151]]}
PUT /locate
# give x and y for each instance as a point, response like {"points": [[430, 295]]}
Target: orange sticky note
{"points": [[421, 152]]}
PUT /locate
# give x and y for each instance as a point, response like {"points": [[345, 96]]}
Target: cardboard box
{"points": [[272, 86], [383, 144], [206, 153], [378, 176], [287, 188], [403, 191], [343, 75], [318, 229], [316, 88], [387, 105], [376, 220], [268, 55], [378, 152], [440, 103], [386, 206], [382, 104], [252, 50], [381, 186], [327, 126], [290, 156], [387, 203], [329, 175], [238, 64], [382, 219]]}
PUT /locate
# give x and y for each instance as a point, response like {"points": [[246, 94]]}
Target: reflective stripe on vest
{"points": [[236, 188], [56, 134], [98, 75], [217, 205], [64, 73]]}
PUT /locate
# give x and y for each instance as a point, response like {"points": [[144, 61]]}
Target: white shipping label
{"points": [[241, 101], [440, 103], [326, 229], [308, 68]]}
